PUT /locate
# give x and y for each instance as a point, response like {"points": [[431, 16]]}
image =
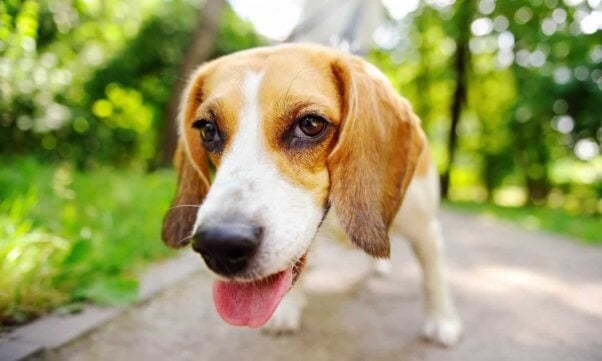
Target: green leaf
{"points": [[113, 291], [80, 250]]}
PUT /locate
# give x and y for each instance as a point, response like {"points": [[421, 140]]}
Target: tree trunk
{"points": [[461, 61], [537, 190], [199, 50]]}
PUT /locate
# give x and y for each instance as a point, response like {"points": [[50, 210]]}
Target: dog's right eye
{"points": [[310, 126], [209, 132]]}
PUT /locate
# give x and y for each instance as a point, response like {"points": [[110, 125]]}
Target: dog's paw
{"points": [[287, 318], [382, 267], [443, 330]]}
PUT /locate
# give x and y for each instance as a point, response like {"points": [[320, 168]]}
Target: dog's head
{"points": [[291, 131]]}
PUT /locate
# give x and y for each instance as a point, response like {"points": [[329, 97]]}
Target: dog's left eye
{"points": [[210, 135], [208, 130], [310, 126]]}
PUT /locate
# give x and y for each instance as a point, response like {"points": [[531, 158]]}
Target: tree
{"points": [[199, 50], [462, 18]]}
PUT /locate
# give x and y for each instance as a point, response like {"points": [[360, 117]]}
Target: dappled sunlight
{"points": [[510, 196], [332, 281], [274, 19], [585, 297], [323, 274]]}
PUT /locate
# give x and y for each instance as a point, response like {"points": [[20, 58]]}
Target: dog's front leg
{"points": [[287, 318], [442, 323]]}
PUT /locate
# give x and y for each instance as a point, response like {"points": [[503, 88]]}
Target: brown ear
{"points": [[192, 166], [370, 168]]}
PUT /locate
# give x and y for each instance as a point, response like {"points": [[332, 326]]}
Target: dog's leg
{"points": [[442, 323], [382, 267], [287, 318]]}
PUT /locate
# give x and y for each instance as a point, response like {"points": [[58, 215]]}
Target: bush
{"points": [[89, 84], [68, 236]]}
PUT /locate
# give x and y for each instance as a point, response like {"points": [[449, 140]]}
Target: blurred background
{"points": [[509, 92]]}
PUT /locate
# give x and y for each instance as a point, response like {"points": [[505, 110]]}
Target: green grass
{"points": [[586, 228], [68, 236]]}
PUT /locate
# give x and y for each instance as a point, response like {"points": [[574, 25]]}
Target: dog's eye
{"points": [[310, 126], [209, 132]]}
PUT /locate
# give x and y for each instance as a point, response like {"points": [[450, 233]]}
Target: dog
{"points": [[274, 139]]}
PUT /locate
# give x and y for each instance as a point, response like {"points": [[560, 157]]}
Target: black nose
{"points": [[228, 247]]}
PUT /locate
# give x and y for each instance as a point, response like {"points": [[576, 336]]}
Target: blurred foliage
{"points": [[582, 228], [532, 120], [61, 240], [87, 81]]}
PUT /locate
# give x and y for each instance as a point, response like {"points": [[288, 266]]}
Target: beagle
{"points": [[296, 132]]}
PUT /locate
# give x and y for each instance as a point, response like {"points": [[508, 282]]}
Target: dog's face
{"points": [[290, 130]]}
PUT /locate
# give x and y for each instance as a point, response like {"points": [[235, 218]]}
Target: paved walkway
{"points": [[522, 296]]}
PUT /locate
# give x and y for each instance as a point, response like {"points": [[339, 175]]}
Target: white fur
{"points": [[417, 222], [287, 317], [382, 267], [249, 185]]}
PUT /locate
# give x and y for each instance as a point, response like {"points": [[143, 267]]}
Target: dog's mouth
{"points": [[253, 303]]}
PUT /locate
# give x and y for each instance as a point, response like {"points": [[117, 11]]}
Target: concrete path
{"points": [[522, 296]]}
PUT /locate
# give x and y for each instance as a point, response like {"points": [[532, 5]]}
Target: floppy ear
{"points": [[380, 141], [192, 166]]}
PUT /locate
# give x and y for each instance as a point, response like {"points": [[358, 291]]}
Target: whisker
{"points": [[172, 77], [183, 240], [185, 205]]}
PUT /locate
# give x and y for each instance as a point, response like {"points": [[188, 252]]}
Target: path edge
{"points": [[56, 329]]}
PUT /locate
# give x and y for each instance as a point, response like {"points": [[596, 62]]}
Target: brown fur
{"points": [[425, 162], [374, 160], [192, 168], [288, 89]]}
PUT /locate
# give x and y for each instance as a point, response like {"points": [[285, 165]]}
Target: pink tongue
{"points": [[251, 304]]}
